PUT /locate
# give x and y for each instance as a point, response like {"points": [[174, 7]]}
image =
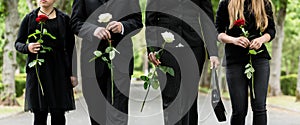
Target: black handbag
{"points": [[216, 100]]}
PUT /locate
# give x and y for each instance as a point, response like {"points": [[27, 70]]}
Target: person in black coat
{"points": [[126, 22], [259, 23], [190, 21], [56, 72]]}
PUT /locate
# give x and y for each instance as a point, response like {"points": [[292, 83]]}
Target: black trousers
{"points": [[101, 109], [57, 117], [172, 85], [239, 84]]}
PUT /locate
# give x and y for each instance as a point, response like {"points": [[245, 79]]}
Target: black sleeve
{"points": [[133, 21], [222, 17], [69, 46], [209, 37], [271, 24], [20, 43], [78, 18]]}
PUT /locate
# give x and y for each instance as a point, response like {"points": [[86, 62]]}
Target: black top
{"points": [[237, 54], [55, 72]]}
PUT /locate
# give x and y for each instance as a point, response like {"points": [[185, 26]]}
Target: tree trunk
{"points": [[30, 5], [277, 51], [62, 4], [298, 83], [9, 53]]}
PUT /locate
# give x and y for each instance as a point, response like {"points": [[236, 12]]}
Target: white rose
{"points": [[104, 18], [168, 37]]}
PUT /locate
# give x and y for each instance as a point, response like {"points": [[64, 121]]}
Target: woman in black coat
{"points": [[259, 23], [54, 92]]}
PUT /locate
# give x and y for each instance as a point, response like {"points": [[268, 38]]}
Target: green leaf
{"points": [[252, 69], [170, 71], [112, 55], [163, 68], [40, 41], [247, 70], [37, 31], [252, 52], [248, 65], [41, 60], [109, 65], [97, 53], [32, 35], [50, 35], [108, 49], [32, 64], [154, 82], [47, 48], [92, 59], [45, 31], [104, 59], [43, 51], [146, 85], [166, 69], [144, 78], [249, 75]]}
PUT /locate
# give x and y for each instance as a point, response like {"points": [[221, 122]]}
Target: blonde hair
{"points": [[236, 11]]}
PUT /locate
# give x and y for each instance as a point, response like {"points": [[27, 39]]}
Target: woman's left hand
{"points": [[256, 43]]}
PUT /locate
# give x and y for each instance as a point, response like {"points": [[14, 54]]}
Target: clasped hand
{"points": [[244, 42], [103, 33], [34, 47]]}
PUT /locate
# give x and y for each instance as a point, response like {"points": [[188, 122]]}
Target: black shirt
{"points": [[237, 54]]}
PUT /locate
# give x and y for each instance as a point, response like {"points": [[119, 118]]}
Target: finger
{"points": [[114, 29], [104, 34], [108, 34], [110, 25]]}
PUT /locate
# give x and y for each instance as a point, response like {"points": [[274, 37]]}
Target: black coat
{"points": [[183, 17], [55, 72], [84, 22]]}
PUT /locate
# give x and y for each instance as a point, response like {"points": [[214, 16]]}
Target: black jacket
{"points": [[56, 70], [236, 54], [84, 22], [183, 17], [66, 36]]}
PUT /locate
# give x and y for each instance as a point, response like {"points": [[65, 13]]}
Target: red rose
{"points": [[41, 18], [239, 22]]}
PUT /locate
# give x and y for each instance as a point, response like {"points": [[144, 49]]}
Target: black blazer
{"points": [[84, 22], [182, 17]]}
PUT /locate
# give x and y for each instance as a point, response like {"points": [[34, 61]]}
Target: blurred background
{"points": [[284, 86]]}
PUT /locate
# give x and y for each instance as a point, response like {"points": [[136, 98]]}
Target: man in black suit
{"points": [[126, 20], [186, 19]]}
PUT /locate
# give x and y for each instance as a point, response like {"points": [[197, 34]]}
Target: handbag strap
{"points": [[215, 83]]}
